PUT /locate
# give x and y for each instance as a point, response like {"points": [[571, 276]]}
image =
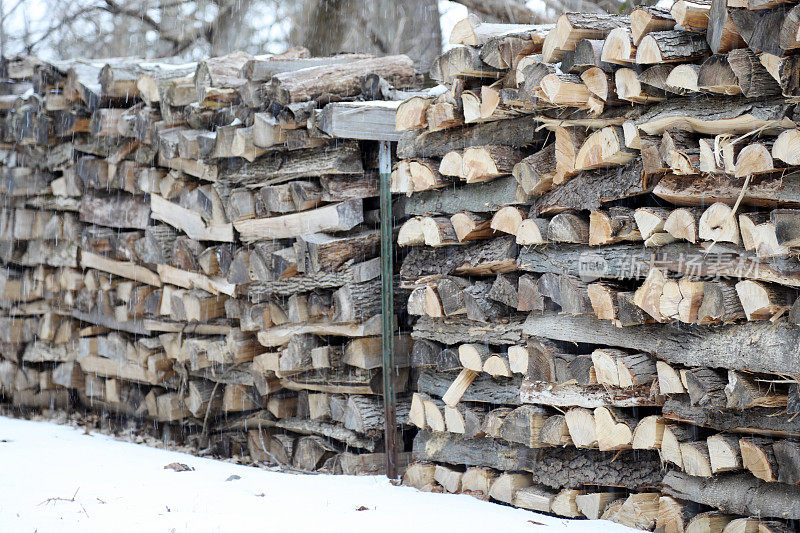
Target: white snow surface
{"points": [[56, 478]]}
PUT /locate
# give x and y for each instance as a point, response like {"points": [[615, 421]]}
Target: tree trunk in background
{"points": [[381, 27], [227, 32]]}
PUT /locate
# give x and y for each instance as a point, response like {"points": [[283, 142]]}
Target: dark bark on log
{"points": [[759, 29], [779, 188], [484, 388], [120, 210], [714, 115], [755, 346], [280, 166], [554, 467], [589, 189], [485, 197], [498, 255]]}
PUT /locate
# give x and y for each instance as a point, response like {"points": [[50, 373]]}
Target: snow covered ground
{"points": [[56, 478]]}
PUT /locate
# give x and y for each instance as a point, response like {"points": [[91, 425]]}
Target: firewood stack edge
{"points": [[198, 245], [602, 261]]}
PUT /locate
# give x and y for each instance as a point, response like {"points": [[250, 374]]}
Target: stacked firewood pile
{"points": [[198, 245], [602, 256]]}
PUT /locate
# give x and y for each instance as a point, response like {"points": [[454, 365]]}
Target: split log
{"points": [[494, 420], [473, 356], [534, 498], [448, 478], [477, 481], [568, 227], [601, 84], [605, 147], [709, 521], [555, 431], [650, 220], [484, 163], [682, 223], [630, 87], [523, 426], [461, 61], [619, 47], [411, 114], [646, 19], [787, 455], [723, 34], [420, 475], [724, 454], [336, 217], [758, 458], [785, 223], [744, 392], [762, 301], [671, 46], [507, 220], [695, 458], [648, 296], [752, 159], [582, 429], [691, 14], [614, 430], [639, 511], [459, 386], [648, 433], [471, 226], [565, 89], [464, 420], [424, 176], [595, 505], [718, 223], [706, 387], [616, 224], [684, 79], [720, 304], [537, 173], [564, 504]]}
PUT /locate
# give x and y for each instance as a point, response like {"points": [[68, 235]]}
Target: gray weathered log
{"points": [[484, 388], [554, 467], [739, 494], [755, 346], [633, 261], [460, 330], [486, 197], [516, 132]]}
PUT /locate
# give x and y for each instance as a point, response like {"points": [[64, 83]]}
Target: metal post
{"points": [[387, 312]]}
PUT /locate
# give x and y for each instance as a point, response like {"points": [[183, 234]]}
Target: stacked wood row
{"points": [[197, 245], [601, 244]]}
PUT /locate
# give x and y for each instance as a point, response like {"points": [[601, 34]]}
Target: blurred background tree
{"points": [[191, 29]]}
